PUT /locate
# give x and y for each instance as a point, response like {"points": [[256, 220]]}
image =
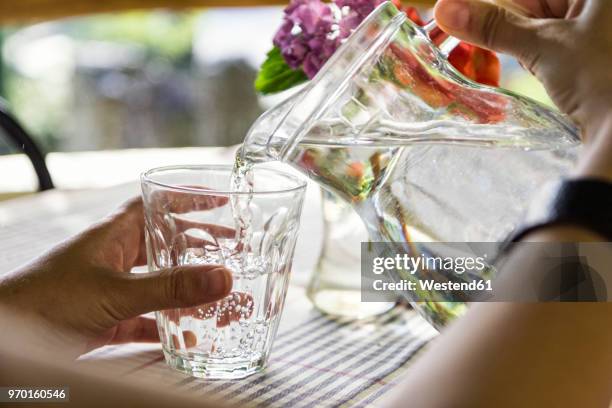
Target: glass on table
{"points": [[192, 217]]}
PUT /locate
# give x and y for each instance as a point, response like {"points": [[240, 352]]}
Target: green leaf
{"points": [[276, 76]]}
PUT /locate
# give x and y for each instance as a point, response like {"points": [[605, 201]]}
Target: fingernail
{"points": [[453, 14], [190, 339], [219, 281]]}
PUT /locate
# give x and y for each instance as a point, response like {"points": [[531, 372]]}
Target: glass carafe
{"points": [[335, 285], [420, 152]]}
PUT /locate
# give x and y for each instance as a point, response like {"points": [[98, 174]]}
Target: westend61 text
{"points": [[479, 285]]}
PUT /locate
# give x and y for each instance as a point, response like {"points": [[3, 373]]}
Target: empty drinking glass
{"points": [[193, 217]]}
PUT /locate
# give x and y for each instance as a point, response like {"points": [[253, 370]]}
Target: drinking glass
{"points": [[192, 218]]}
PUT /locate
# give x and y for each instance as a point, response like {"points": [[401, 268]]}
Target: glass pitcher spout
{"points": [[388, 84], [267, 139]]}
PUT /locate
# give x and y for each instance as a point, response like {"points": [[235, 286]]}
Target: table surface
{"points": [[316, 360]]}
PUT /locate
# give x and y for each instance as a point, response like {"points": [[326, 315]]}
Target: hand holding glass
{"points": [[191, 218]]}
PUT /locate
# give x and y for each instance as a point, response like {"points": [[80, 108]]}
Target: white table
{"points": [[316, 361], [105, 168]]}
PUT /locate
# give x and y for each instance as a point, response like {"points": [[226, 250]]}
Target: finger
{"points": [[162, 202], [133, 207], [597, 13], [183, 286], [199, 245], [138, 329], [536, 8], [197, 235], [134, 210], [217, 231], [186, 201], [490, 26], [117, 242], [189, 339]]}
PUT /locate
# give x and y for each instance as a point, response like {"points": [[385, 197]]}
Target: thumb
{"points": [[182, 286], [490, 26]]}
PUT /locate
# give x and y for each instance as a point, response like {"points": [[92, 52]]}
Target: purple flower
{"points": [[321, 51], [348, 23], [314, 18], [358, 10], [310, 34], [293, 4], [362, 7], [305, 37]]}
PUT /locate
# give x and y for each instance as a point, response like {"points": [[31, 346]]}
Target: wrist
{"points": [[595, 124], [596, 159]]}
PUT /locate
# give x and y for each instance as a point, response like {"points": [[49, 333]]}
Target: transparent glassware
{"points": [[389, 85], [420, 152], [190, 219], [335, 285]]}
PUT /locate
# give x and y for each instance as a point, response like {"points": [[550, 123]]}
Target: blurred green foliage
{"points": [[37, 108], [44, 108], [522, 82], [163, 34]]}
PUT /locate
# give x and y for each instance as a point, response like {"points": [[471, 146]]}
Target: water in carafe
{"points": [[420, 152]]}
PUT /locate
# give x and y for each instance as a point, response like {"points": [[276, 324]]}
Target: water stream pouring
{"points": [[421, 152]]}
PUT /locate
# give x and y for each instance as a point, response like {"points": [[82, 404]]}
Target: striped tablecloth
{"points": [[316, 361]]}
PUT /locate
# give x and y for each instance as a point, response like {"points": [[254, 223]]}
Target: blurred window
{"points": [[138, 79]]}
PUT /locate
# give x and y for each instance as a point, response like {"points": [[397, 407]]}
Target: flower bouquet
{"points": [[312, 30]]}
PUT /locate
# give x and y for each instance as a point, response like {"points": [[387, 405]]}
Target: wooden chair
{"points": [[19, 138]]}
